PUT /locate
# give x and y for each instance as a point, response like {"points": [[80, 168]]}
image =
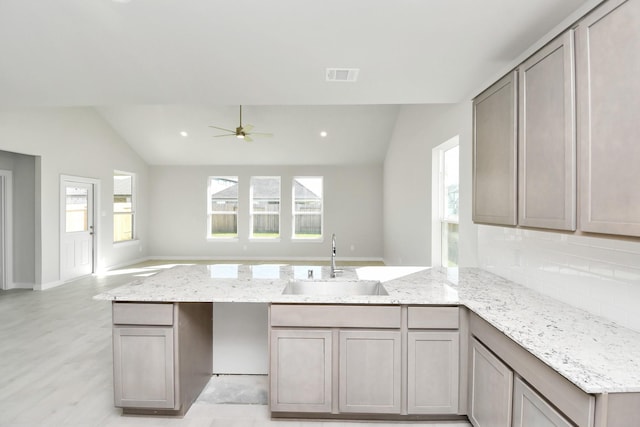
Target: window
{"points": [[265, 207], [307, 208], [77, 213], [446, 203], [223, 207], [123, 206]]}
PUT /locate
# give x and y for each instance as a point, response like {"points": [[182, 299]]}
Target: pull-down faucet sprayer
{"points": [[333, 257]]}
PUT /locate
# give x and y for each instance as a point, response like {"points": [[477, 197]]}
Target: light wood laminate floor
{"points": [[56, 363]]}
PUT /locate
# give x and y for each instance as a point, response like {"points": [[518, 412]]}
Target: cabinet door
{"points": [[370, 369], [495, 153], [300, 370], [433, 378], [607, 46], [531, 410], [547, 142], [144, 367], [491, 389]]}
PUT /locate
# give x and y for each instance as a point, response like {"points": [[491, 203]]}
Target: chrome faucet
{"points": [[333, 257]]}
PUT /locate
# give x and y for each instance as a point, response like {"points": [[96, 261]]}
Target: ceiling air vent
{"points": [[342, 74]]}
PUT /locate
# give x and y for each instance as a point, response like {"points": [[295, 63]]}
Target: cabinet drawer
{"points": [[335, 316], [433, 318], [128, 313]]}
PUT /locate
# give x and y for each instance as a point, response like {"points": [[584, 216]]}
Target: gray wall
{"points": [[407, 182], [24, 215], [352, 210]]}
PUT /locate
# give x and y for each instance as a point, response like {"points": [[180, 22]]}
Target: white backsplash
{"points": [[596, 274]]}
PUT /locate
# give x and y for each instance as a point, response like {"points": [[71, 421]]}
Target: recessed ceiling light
{"points": [[183, 133], [323, 134]]}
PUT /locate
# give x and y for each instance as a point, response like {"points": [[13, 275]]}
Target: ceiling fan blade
{"points": [[226, 134], [247, 128], [226, 130], [268, 135], [247, 138]]}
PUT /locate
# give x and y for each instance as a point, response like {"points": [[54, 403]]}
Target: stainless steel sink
{"points": [[335, 287]]}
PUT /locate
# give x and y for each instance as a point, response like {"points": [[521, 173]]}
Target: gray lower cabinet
{"points": [[143, 367], [370, 371], [379, 362], [162, 355], [546, 137], [491, 389], [301, 379], [433, 372], [608, 90], [495, 153], [532, 410]]}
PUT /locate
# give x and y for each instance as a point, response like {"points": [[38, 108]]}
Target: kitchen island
{"points": [[597, 357]]}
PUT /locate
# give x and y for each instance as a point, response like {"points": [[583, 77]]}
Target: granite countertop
{"points": [[593, 353]]}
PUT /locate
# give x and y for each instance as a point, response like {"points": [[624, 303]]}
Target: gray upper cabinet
{"points": [[495, 153], [546, 137], [608, 89]]}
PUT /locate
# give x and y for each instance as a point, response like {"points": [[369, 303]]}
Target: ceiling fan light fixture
{"points": [[242, 132]]}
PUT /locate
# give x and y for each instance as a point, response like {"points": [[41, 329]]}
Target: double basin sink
{"points": [[339, 287]]}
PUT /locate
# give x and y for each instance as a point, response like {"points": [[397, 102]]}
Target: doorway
{"points": [[6, 229], [77, 232]]}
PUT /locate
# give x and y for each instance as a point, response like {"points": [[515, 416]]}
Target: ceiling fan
{"points": [[241, 132]]}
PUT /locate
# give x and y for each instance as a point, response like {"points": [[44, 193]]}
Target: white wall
{"points": [[407, 182], [72, 141], [352, 210]]}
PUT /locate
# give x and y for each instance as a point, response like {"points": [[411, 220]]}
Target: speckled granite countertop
{"points": [[595, 354]]}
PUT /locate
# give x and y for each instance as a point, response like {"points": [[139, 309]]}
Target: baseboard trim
{"points": [[49, 285], [260, 258], [123, 264], [21, 286]]}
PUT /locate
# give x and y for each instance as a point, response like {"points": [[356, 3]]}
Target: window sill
{"points": [[303, 240], [222, 239], [131, 242], [264, 239]]}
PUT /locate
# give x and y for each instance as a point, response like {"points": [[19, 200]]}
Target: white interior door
{"points": [[76, 229]]}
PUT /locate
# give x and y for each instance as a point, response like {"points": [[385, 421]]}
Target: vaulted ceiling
{"points": [[157, 67]]}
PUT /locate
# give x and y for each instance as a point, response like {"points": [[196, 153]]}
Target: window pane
{"points": [[266, 226], [77, 214], [122, 227], [122, 184], [265, 207], [224, 194], [224, 225], [449, 244], [307, 207], [223, 206], [451, 184], [123, 208]]}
